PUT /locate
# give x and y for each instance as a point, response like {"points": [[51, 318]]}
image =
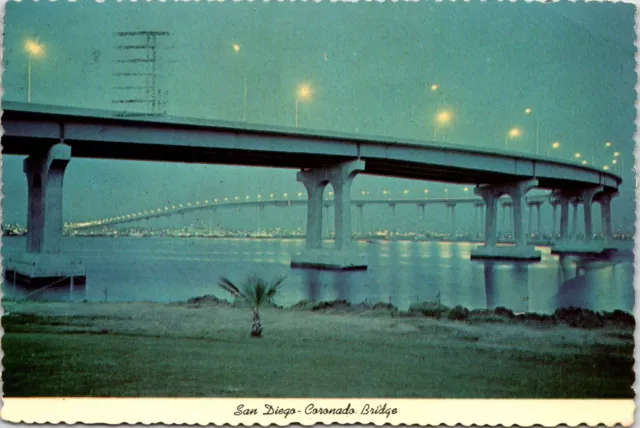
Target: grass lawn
{"points": [[125, 350]]}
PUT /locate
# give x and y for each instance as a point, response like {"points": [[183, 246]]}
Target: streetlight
{"points": [[513, 133], [446, 193], [584, 161], [529, 112], [304, 92], [33, 49], [577, 155], [554, 146], [466, 191], [442, 118], [426, 192], [606, 145], [236, 49]]}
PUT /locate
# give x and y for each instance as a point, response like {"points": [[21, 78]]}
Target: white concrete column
{"points": [[314, 185], [490, 197], [605, 209], [564, 219], [452, 232], [45, 173], [555, 219], [530, 224], [574, 225], [360, 218], [260, 208], [587, 196], [477, 212], [517, 196], [327, 224], [538, 223], [393, 230]]}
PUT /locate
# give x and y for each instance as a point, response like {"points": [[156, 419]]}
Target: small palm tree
{"points": [[256, 291]]}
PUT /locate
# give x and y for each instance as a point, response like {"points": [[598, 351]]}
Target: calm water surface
{"points": [[174, 269]]}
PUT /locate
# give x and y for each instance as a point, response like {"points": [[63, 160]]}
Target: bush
{"points": [[458, 313], [503, 312]]}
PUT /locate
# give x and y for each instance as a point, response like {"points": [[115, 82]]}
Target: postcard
{"points": [[318, 212]]}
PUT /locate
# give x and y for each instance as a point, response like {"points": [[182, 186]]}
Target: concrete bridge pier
{"points": [[452, 220], [360, 219], [327, 225], [605, 211], [393, 232], [43, 262], [554, 228], [534, 206], [568, 244], [340, 256], [575, 202], [479, 220], [490, 250], [260, 225], [422, 230]]}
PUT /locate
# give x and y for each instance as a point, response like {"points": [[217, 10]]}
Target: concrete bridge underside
{"points": [[50, 136]]}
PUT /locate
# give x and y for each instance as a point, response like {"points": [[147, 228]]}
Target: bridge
{"points": [[213, 204], [50, 135]]}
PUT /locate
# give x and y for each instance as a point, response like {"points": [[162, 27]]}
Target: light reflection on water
{"points": [[400, 272]]}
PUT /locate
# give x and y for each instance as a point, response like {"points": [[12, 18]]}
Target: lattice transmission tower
{"points": [[136, 74]]}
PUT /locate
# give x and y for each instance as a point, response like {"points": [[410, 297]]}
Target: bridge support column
{"points": [[452, 219], [421, 227], [490, 250], [340, 256], [569, 244], [554, 227], [360, 219], [574, 223], [587, 201], [393, 232], [327, 225], [605, 210], [42, 262]]}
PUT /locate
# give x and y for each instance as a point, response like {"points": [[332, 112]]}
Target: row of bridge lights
{"points": [[304, 93], [385, 192]]}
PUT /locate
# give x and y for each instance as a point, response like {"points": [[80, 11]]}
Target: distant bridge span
{"points": [[178, 209]]}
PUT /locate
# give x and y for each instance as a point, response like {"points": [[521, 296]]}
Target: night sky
{"points": [[371, 67]]}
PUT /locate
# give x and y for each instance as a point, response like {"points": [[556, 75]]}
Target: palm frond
{"points": [[228, 286], [257, 291], [272, 290]]}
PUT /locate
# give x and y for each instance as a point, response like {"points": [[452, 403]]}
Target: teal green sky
{"points": [[371, 67]]}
